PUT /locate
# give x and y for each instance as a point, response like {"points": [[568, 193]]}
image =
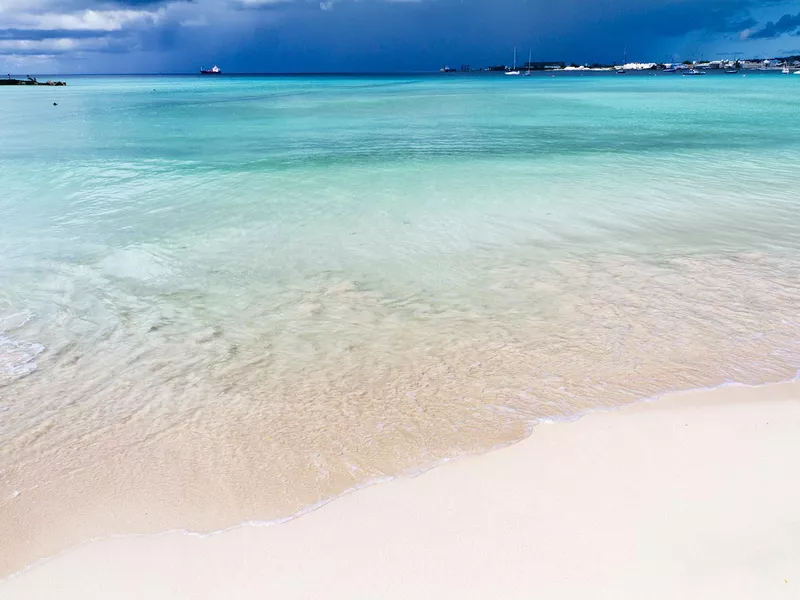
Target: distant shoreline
{"points": [[750, 65], [30, 81], [565, 71]]}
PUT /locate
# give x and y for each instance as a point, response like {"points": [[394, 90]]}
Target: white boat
{"points": [[621, 71], [528, 72], [514, 70], [786, 70]]}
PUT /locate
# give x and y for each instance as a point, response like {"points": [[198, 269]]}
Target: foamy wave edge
{"points": [[21, 360]]}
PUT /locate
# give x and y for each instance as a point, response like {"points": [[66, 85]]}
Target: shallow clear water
{"points": [[230, 299]]}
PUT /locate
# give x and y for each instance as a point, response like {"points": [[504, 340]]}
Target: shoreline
{"points": [[88, 505], [336, 292], [406, 475], [726, 397]]}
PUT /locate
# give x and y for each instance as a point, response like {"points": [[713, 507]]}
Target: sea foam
{"points": [[17, 357]]}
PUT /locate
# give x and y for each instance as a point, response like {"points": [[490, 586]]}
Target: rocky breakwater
{"points": [[30, 81]]}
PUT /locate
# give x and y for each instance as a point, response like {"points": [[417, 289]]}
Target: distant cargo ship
{"points": [[215, 70]]}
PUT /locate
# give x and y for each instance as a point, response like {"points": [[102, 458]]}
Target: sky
{"points": [[181, 36]]}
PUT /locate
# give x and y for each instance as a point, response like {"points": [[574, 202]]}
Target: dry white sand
{"points": [[696, 495]]}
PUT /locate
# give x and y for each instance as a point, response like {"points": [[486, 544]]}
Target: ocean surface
{"points": [[227, 300]]}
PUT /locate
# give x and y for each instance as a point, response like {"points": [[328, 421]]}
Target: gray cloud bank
{"points": [[786, 24], [359, 35]]}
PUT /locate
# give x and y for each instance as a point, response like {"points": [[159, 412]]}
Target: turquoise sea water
{"points": [[231, 298]]}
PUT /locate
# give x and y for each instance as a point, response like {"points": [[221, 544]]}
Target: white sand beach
{"points": [[694, 495]]}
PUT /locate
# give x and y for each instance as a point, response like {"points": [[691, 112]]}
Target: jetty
{"points": [[30, 81]]}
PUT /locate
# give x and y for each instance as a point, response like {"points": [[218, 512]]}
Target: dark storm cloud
{"points": [[675, 19], [373, 35], [369, 35], [786, 24]]}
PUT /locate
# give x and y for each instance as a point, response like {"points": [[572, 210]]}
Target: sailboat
{"points": [[786, 70], [624, 62], [514, 70], [528, 72]]}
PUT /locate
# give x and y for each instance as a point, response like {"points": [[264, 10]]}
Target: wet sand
{"points": [[693, 495], [162, 426]]}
